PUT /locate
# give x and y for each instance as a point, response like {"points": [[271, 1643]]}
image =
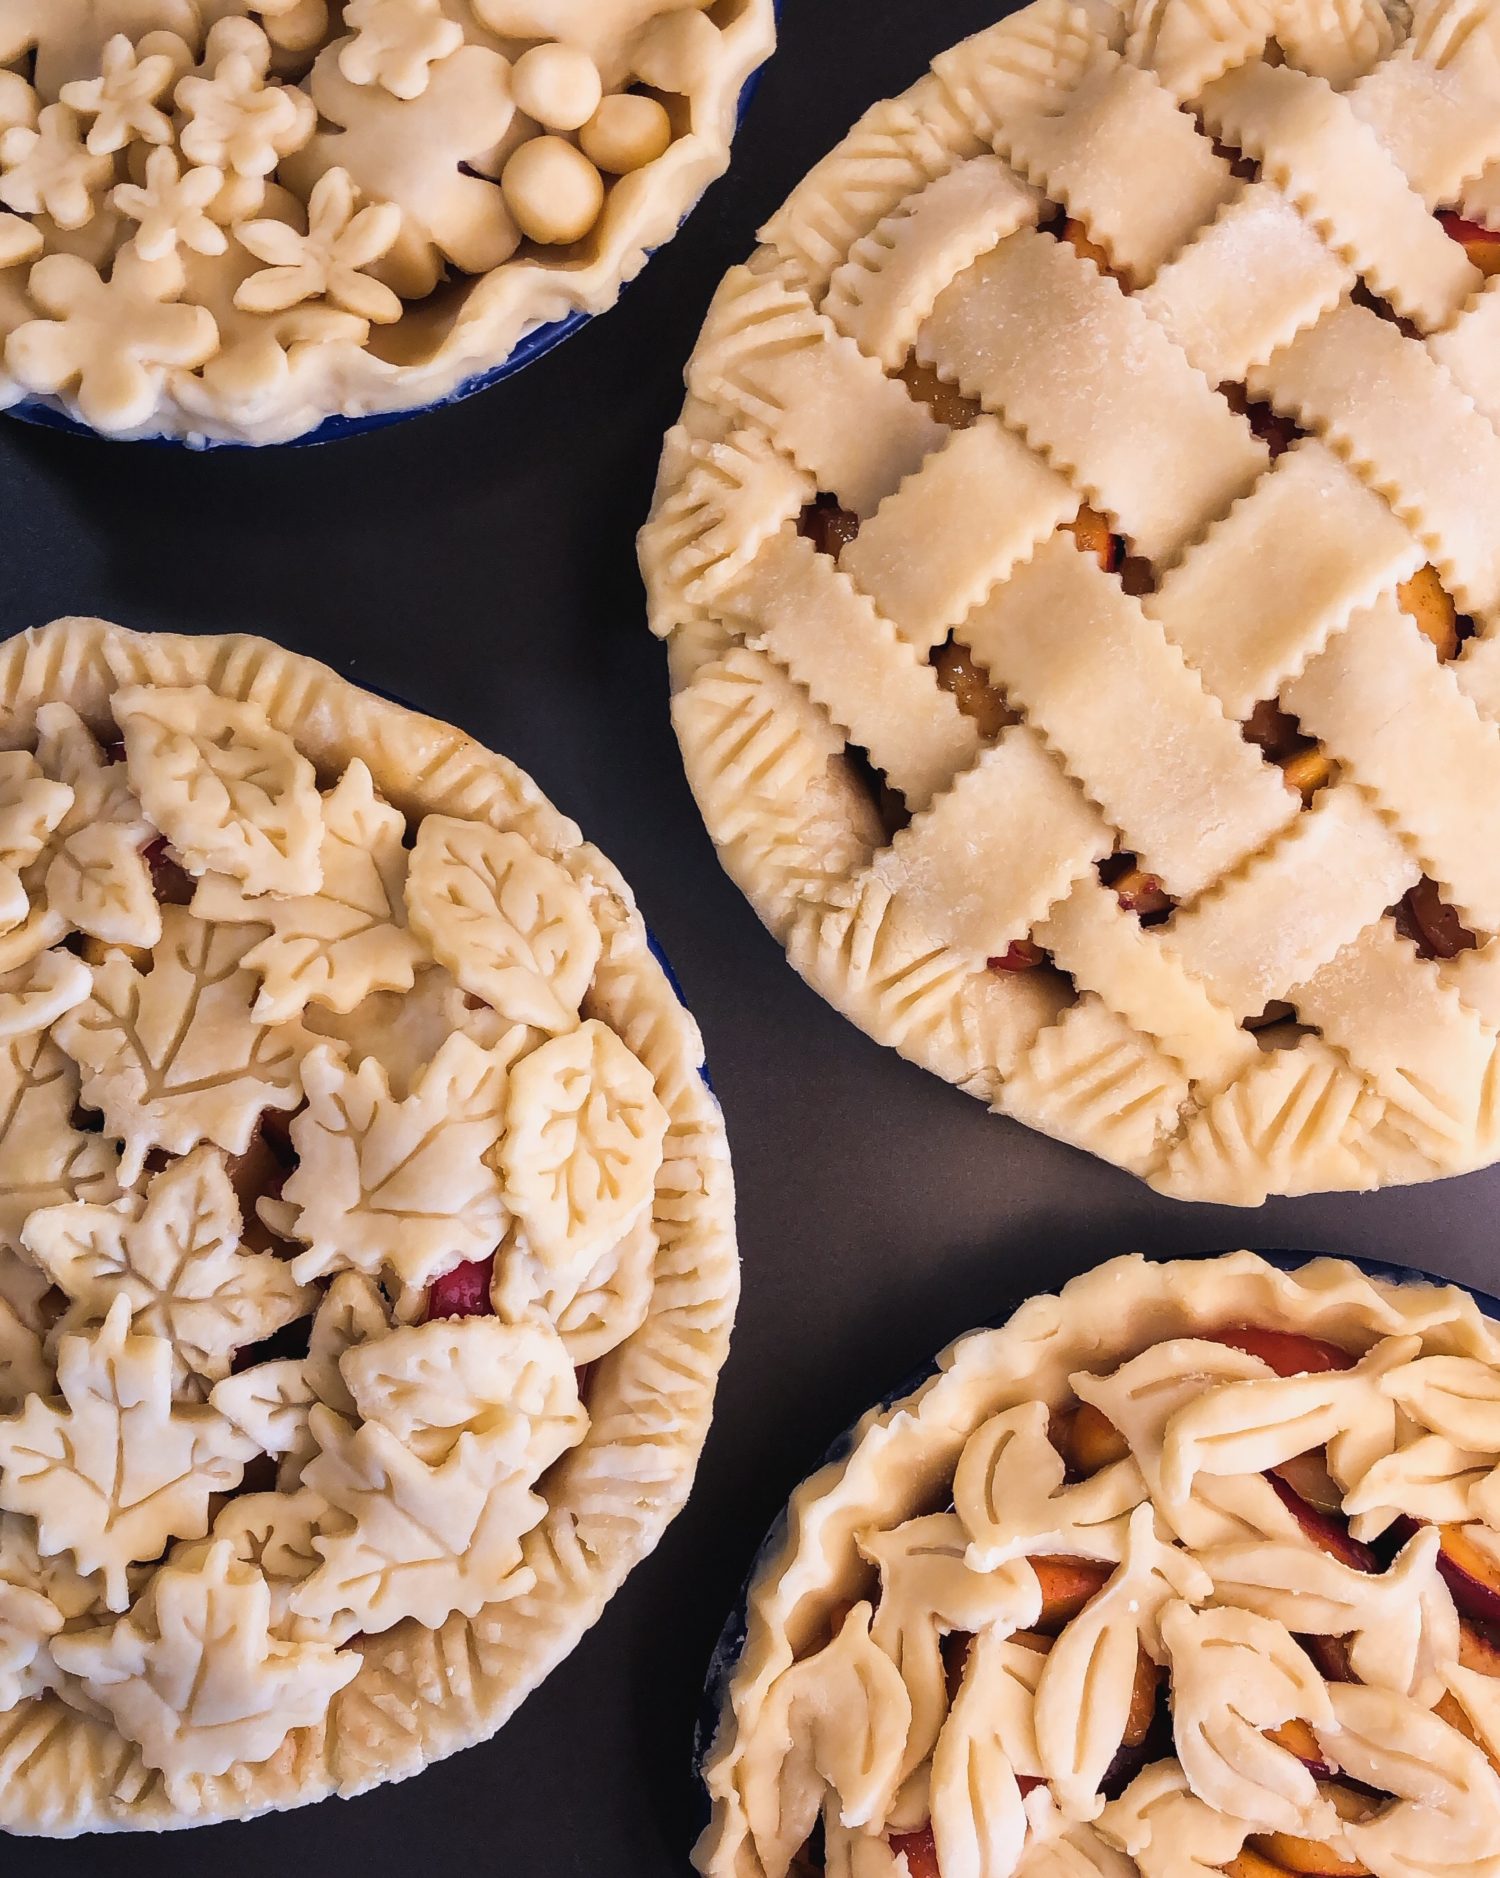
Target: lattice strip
{"points": [[1189, 43], [1398, 1022], [1335, 170], [1469, 350], [1475, 976], [1396, 417], [1380, 702], [890, 152], [1092, 1080], [1107, 950], [987, 860], [1439, 125], [769, 357], [1290, 910], [1104, 685], [1285, 568], [1250, 282], [1046, 340], [893, 276], [1125, 161], [1030, 62], [725, 500], [856, 666], [977, 507]]}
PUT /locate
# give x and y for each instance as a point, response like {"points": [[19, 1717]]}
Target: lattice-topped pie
{"points": [[1080, 570], [366, 1247], [1193, 1568], [232, 219]]}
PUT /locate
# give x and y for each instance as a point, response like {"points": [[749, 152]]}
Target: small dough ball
{"points": [[626, 133], [557, 85], [552, 190]]}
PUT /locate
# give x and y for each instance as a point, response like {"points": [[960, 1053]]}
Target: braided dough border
{"points": [[423, 1694]]}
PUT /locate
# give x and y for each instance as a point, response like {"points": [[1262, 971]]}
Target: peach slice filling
{"points": [[1481, 244]]}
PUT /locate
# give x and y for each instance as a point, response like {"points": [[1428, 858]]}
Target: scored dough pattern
{"points": [[924, 240]]}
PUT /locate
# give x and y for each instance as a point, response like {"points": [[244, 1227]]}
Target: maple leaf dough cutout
{"points": [[68, 36], [173, 1056], [592, 1314], [31, 806], [381, 1183], [97, 877], [404, 1031], [430, 1384], [116, 1469], [274, 1533], [508, 923], [175, 1254], [425, 1541], [409, 151], [583, 1142], [271, 1402], [232, 793], [44, 1159], [24, 1370], [36, 994], [349, 939], [193, 1674]]}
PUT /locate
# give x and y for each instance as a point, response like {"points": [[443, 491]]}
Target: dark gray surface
{"points": [[479, 563]]}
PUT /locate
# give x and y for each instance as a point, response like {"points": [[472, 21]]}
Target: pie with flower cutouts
{"points": [[230, 220], [1193, 1568], [366, 1233], [1078, 565]]}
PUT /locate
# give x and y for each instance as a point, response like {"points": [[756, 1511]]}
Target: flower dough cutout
{"points": [[1236, 1675], [409, 151], [1009, 1491], [20, 241], [115, 339], [231, 793], [844, 1716], [194, 1676], [45, 1159], [511, 925], [583, 1143], [36, 994], [174, 1253], [926, 1590], [328, 262], [426, 1541], [396, 43], [173, 1056], [394, 1184], [1400, 1623], [1098, 1653], [171, 208], [97, 879], [116, 1468], [123, 100], [31, 806], [348, 939], [234, 119], [50, 170], [431, 1383]]}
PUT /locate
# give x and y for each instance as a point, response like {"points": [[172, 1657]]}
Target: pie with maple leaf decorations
{"points": [[1078, 567], [1192, 1568], [228, 221], [366, 1233]]}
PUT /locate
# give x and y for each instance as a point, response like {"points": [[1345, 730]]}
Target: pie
{"points": [[1077, 557], [1191, 1568], [366, 1234], [230, 220]]}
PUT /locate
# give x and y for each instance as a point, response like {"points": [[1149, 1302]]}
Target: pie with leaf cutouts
{"points": [[366, 1234], [1078, 564], [229, 220], [1193, 1568]]}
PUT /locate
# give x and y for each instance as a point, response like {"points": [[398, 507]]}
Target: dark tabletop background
{"points": [[479, 562]]}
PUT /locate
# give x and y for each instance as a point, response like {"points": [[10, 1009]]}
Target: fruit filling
{"points": [[1300, 759], [1424, 917], [828, 525], [1481, 244]]}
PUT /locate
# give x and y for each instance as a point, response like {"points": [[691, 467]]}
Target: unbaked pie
{"points": [[1193, 1568], [1079, 565], [366, 1244], [232, 219]]}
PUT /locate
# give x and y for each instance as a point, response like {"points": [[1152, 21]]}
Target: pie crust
{"points": [[359, 1167], [1171, 1558], [230, 220], [1167, 275]]}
